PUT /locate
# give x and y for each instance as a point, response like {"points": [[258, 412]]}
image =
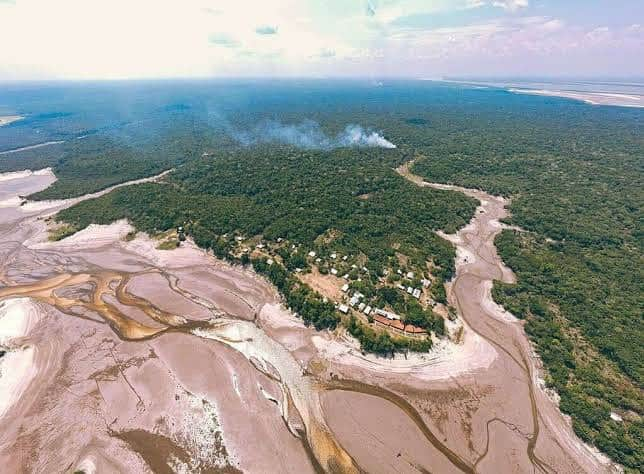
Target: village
{"points": [[396, 299]]}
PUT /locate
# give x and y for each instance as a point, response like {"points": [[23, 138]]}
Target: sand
{"points": [[592, 98], [17, 318], [7, 119], [145, 360]]}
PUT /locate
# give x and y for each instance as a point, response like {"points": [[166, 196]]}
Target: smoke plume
{"points": [[308, 134]]}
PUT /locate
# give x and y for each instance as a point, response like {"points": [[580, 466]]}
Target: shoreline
{"points": [[477, 266], [7, 119], [109, 336], [591, 98]]}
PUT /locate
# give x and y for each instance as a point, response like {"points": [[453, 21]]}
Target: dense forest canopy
{"points": [[573, 171]]}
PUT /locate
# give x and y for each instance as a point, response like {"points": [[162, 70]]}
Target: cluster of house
{"points": [[415, 292], [380, 316], [354, 302]]}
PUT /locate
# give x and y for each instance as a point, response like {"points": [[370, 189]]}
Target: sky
{"points": [[120, 39]]}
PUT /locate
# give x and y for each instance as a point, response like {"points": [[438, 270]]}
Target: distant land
{"points": [[626, 93]]}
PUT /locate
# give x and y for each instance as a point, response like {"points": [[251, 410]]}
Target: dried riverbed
{"points": [[125, 358]]}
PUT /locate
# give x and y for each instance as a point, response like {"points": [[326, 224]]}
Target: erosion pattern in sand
{"points": [[124, 358]]}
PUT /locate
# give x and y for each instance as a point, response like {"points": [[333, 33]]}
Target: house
{"points": [[343, 308], [399, 325], [401, 287], [386, 322], [410, 290], [410, 275], [269, 261], [387, 314], [361, 306], [416, 293], [239, 238], [318, 260], [345, 287], [334, 271], [367, 310], [345, 276], [334, 255], [260, 246], [311, 253], [345, 258], [426, 282], [411, 329], [354, 300]]}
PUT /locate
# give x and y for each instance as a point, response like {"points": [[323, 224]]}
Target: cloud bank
{"points": [[308, 134]]}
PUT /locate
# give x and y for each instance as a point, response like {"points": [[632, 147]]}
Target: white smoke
{"points": [[308, 134], [355, 135]]}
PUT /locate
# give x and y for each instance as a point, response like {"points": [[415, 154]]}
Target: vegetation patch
{"points": [[61, 230]]}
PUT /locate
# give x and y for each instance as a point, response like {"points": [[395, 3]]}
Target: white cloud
{"points": [[153, 38], [511, 5]]}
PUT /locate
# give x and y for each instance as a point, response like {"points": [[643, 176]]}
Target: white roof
{"points": [[367, 310], [410, 274], [334, 271], [311, 253], [344, 308], [416, 293], [333, 255], [269, 261], [345, 287]]}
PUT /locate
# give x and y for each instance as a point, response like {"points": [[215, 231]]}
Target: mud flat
{"points": [[144, 360], [512, 420]]}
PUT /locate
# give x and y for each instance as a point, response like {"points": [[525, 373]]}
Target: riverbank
{"points": [[478, 265], [134, 335]]}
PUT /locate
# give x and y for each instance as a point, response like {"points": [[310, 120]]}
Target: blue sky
{"points": [[105, 39]]}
